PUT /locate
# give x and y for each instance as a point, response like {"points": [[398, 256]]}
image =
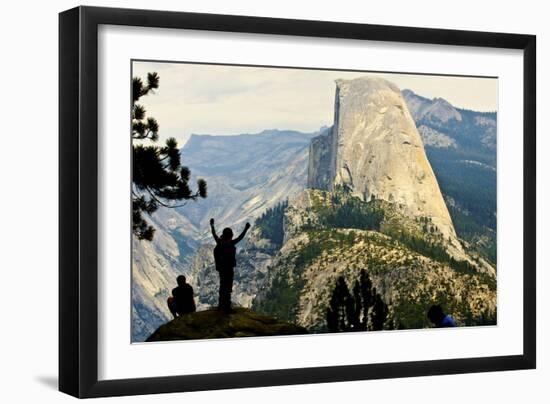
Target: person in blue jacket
{"points": [[439, 318]]}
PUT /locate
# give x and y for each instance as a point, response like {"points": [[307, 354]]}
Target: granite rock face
{"points": [[374, 150], [319, 163], [466, 129], [436, 139]]}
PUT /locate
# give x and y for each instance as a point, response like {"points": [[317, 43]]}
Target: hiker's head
{"points": [[435, 314], [181, 280], [227, 234]]}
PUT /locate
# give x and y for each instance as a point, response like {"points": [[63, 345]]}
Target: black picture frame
{"points": [[78, 200]]}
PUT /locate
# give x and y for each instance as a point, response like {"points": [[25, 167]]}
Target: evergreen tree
{"points": [[158, 179], [270, 223], [357, 307], [379, 312], [366, 297], [336, 312], [361, 310]]}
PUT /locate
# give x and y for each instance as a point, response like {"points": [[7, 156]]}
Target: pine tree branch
{"points": [[192, 197], [148, 135]]}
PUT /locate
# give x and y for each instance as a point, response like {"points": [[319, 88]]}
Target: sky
{"points": [[230, 100]]}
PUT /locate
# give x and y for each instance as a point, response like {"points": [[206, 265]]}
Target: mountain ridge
{"points": [[401, 255]]}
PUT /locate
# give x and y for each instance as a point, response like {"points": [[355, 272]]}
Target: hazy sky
{"points": [[228, 100]]}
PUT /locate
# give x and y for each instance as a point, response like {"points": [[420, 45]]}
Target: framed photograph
{"points": [[251, 201]]}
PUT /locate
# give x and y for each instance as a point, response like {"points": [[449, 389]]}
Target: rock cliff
{"points": [[374, 150]]}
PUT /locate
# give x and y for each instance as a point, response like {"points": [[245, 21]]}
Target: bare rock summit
{"points": [[374, 150]]}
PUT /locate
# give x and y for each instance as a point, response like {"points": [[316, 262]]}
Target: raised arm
{"points": [[241, 236], [214, 230]]}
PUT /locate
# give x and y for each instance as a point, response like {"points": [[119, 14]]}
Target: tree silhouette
{"points": [[361, 310], [337, 316], [379, 312], [158, 179]]}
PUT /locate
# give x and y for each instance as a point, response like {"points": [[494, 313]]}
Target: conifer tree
{"points": [[379, 312], [366, 297], [358, 307], [158, 178], [336, 312], [361, 310]]}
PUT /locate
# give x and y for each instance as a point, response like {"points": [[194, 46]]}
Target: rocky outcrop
{"points": [[319, 163], [409, 276], [434, 138], [210, 324], [465, 127], [437, 109], [375, 150]]}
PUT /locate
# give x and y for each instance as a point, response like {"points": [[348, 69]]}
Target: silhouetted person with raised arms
{"points": [[224, 256], [439, 318], [182, 300]]}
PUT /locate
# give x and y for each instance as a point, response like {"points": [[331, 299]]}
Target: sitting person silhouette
{"points": [[224, 256], [182, 300], [439, 318]]}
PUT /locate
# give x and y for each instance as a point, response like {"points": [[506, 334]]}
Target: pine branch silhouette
{"points": [[158, 178]]}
